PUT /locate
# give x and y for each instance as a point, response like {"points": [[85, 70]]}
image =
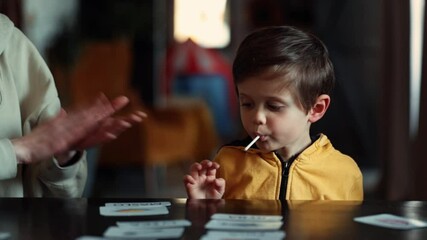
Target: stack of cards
{"points": [[148, 229], [134, 209], [142, 229], [243, 226], [391, 221]]}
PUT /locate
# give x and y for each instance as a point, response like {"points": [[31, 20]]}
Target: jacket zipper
{"points": [[286, 167], [285, 175]]}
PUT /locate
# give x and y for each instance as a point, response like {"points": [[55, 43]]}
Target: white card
{"points": [[138, 204], [154, 224], [158, 233], [242, 225], [391, 221], [132, 211], [236, 235], [246, 217]]}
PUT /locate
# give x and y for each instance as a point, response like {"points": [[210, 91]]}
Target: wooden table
{"points": [[56, 218]]}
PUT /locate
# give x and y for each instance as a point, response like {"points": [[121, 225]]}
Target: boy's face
{"points": [[269, 110]]}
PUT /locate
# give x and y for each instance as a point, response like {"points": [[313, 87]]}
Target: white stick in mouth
{"points": [[252, 143]]}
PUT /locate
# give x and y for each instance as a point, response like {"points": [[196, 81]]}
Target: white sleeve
{"points": [[8, 164]]}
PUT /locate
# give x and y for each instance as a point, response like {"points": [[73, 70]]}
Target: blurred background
{"points": [[173, 59]]}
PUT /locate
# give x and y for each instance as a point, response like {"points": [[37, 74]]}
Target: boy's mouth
{"points": [[262, 138]]}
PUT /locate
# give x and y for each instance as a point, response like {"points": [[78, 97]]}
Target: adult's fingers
{"points": [[119, 102], [135, 117]]}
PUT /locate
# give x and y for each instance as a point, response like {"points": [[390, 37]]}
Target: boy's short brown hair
{"points": [[283, 51]]}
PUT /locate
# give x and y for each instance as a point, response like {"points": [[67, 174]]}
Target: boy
{"points": [[283, 78]]}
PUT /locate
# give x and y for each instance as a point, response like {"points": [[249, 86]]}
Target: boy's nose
{"points": [[260, 118]]}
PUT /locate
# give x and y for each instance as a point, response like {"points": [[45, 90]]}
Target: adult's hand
{"points": [[85, 127]]}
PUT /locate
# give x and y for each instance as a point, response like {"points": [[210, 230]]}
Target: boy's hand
{"points": [[202, 183]]}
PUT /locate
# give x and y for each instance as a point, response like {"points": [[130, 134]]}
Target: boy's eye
{"points": [[246, 104], [274, 107]]}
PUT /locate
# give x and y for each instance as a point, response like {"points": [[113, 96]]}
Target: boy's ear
{"points": [[319, 108]]}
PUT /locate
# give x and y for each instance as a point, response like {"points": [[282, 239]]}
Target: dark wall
{"points": [[107, 19], [351, 30]]}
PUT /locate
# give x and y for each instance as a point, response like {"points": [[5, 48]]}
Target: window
{"points": [[416, 48], [204, 21]]}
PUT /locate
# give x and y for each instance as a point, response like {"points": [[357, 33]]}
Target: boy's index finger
{"points": [[215, 165], [206, 163], [211, 172]]}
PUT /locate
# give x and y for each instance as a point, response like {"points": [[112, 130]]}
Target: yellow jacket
{"points": [[319, 172]]}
